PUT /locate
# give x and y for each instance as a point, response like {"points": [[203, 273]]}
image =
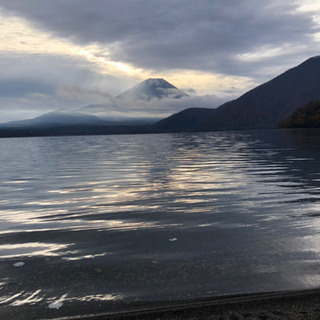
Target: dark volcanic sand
{"points": [[293, 305], [285, 305]]}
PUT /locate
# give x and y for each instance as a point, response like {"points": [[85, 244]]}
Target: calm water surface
{"points": [[106, 223]]}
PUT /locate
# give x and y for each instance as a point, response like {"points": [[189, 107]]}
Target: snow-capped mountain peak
{"points": [[153, 88]]}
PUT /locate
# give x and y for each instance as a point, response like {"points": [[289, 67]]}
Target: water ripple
{"points": [[91, 216]]}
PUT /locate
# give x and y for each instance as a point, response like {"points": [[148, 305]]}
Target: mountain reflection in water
{"points": [[105, 222]]}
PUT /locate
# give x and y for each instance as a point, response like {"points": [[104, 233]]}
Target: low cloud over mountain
{"points": [[147, 102]]}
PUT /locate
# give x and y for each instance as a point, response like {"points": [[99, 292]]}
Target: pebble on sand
{"points": [[55, 305], [19, 264]]}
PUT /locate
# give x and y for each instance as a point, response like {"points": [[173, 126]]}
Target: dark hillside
{"points": [[264, 106], [305, 117], [187, 120]]}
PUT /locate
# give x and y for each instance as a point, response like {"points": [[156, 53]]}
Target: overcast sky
{"points": [[71, 53]]}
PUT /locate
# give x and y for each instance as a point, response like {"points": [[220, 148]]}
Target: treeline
{"points": [[307, 116]]}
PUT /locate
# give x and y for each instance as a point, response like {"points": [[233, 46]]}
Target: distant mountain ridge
{"points": [[58, 118], [260, 108]]}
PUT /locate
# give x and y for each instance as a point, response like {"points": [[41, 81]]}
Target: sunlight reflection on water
{"points": [[30, 249], [91, 217]]}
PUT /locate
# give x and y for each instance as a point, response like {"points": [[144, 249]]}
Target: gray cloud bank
{"points": [[155, 108], [196, 34], [32, 84]]}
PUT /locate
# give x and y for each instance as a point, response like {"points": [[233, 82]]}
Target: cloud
{"points": [[189, 90], [171, 105], [95, 95], [155, 108], [33, 84], [195, 35], [17, 88]]}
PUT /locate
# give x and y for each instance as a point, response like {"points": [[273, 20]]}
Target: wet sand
{"points": [[281, 305]]}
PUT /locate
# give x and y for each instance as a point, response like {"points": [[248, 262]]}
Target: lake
{"points": [[98, 224]]}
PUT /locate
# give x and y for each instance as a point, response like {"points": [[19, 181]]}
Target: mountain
{"points": [[57, 118], [115, 113], [62, 123], [190, 119], [152, 89], [260, 108]]}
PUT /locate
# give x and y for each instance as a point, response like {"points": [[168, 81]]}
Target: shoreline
{"points": [[298, 304]]}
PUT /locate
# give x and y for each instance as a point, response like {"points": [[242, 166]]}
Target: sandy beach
{"points": [[280, 305]]}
